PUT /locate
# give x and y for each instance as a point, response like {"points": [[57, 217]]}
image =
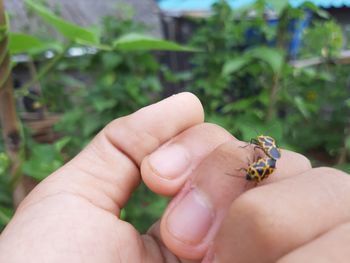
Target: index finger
{"points": [[266, 223], [194, 216], [107, 171]]}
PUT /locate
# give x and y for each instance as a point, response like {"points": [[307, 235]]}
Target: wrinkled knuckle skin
{"points": [[131, 139], [262, 221], [115, 125]]}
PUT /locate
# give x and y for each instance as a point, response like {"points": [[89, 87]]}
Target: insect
{"points": [[263, 167], [268, 145], [260, 170]]}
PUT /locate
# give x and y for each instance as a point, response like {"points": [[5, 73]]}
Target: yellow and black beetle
{"points": [[260, 170], [268, 145]]}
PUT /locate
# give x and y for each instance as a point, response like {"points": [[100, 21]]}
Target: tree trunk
{"points": [[8, 116]]}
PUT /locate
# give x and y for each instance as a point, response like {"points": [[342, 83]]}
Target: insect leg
{"points": [[252, 141], [235, 175]]}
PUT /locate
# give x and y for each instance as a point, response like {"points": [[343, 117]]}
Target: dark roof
{"points": [[84, 13]]}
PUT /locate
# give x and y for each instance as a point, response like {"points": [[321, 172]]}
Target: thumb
{"points": [[107, 171]]}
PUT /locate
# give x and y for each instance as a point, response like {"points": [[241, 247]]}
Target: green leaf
{"points": [[264, 98], [320, 12], [23, 43], [102, 104], [271, 56], [67, 29], [61, 143], [44, 159], [5, 215], [135, 41], [4, 163], [99, 46], [300, 104], [123, 214], [250, 130], [234, 65], [242, 104]]}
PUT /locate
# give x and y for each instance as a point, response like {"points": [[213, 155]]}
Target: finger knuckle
{"points": [[115, 125], [264, 221], [131, 139]]}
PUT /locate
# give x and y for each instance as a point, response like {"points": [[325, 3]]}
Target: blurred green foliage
{"points": [[112, 84], [118, 83], [324, 39], [247, 85], [243, 79], [117, 76], [44, 159]]}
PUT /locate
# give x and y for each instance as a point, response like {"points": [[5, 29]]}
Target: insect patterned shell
{"points": [[261, 169], [268, 145]]}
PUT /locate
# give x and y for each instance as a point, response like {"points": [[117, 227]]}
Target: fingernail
{"points": [[170, 161], [191, 219]]}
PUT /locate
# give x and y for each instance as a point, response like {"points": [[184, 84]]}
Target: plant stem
{"points": [[273, 97], [343, 152], [8, 115], [24, 90]]}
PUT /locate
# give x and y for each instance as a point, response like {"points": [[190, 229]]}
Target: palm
{"points": [[83, 231]]}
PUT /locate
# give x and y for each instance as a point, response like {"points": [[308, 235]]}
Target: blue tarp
{"points": [[202, 5]]}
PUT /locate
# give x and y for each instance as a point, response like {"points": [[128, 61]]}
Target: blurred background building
{"points": [[84, 13]]}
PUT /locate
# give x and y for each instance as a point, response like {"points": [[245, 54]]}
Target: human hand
{"points": [[72, 215], [294, 217]]}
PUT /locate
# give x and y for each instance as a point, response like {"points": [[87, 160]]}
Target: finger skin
{"points": [[331, 247], [72, 215], [145, 130], [168, 256], [219, 180], [269, 221], [195, 144], [106, 171], [290, 164]]}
